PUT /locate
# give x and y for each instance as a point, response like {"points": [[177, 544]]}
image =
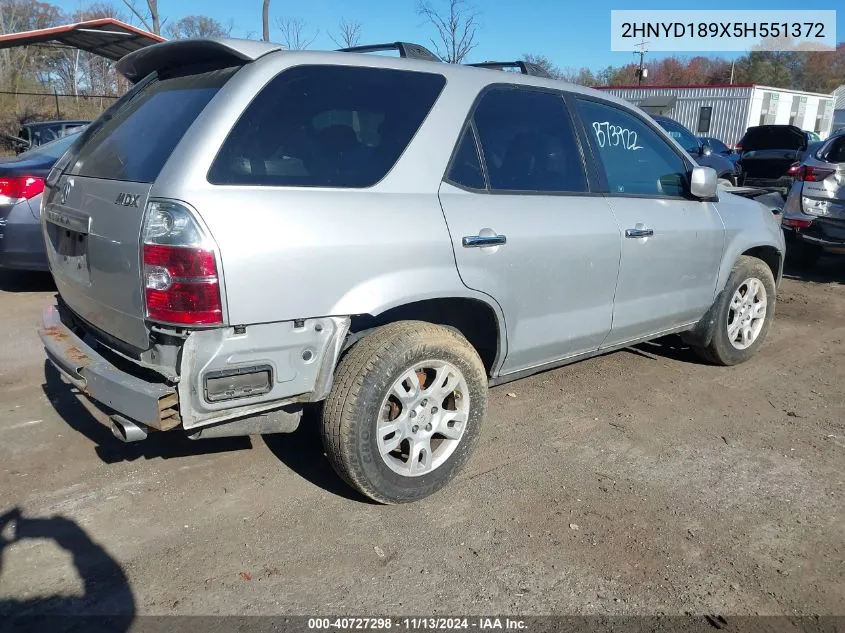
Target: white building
{"points": [[839, 108], [726, 111]]}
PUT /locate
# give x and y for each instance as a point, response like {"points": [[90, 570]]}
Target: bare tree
{"points": [[349, 34], [196, 26], [456, 27], [293, 34], [147, 14], [545, 63], [265, 20]]}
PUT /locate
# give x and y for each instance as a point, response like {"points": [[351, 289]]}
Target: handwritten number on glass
{"points": [[609, 135]]}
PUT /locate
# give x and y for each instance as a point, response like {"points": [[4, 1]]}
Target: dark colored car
{"points": [[21, 183], [768, 152], [726, 171], [38, 133], [814, 215], [719, 148]]}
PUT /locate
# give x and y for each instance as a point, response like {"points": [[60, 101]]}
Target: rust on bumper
{"points": [[152, 404]]}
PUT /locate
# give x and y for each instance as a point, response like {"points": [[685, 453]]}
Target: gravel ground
{"points": [[641, 482]]}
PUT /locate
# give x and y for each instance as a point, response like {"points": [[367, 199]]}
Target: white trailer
{"points": [[726, 111]]}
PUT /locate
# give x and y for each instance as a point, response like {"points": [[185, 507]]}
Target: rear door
{"points": [[526, 230], [671, 244], [93, 212]]}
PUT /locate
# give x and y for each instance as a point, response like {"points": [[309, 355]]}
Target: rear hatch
{"points": [[769, 150], [95, 201], [823, 185]]}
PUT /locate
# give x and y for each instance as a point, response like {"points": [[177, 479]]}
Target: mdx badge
{"points": [[127, 199]]}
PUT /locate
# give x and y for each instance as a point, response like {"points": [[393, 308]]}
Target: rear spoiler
{"points": [[167, 55]]}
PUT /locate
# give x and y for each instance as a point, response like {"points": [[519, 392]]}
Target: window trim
{"points": [[590, 175], [468, 125], [260, 90], [655, 127]]}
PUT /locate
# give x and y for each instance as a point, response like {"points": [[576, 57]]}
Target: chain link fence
{"points": [[17, 108]]}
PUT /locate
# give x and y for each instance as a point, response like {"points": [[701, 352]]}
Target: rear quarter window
{"points": [[326, 126]]}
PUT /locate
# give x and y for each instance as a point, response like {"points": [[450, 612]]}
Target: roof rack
{"points": [[526, 68], [406, 49]]}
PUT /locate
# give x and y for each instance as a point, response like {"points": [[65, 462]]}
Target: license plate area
{"points": [[70, 249]]}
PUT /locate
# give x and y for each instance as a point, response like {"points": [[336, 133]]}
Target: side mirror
{"points": [[705, 149], [703, 182]]}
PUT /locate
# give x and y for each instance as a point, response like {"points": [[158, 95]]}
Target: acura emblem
{"points": [[66, 190]]}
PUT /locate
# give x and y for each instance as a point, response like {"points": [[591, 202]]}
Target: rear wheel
{"points": [[405, 411], [744, 312]]}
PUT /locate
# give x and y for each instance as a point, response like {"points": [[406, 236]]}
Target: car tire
{"points": [[738, 330], [396, 424]]}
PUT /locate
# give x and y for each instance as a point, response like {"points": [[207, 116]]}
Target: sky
{"points": [[571, 34]]}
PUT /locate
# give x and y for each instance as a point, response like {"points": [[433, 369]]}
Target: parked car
{"points": [[768, 151], [239, 237], [814, 215], [32, 135], [21, 185], [701, 152], [719, 148]]}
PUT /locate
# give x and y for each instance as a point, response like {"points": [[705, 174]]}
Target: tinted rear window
{"points": [[326, 126], [138, 140]]}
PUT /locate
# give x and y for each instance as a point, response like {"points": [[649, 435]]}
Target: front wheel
{"points": [[743, 313], [405, 411]]}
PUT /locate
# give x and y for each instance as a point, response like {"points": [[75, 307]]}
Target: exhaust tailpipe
{"points": [[126, 430]]}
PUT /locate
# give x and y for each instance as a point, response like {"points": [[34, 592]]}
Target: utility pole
{"points": [[642, 71]]}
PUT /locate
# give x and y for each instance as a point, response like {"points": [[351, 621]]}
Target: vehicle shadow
{"points": [[302, 452], [107, 603], [829, 269], [24, 281], [66, 401], [671, 347]]}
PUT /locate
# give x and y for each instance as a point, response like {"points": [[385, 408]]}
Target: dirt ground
{"points": [[642, 482]]}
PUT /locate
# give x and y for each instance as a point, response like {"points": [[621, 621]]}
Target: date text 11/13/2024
{"points": [[417, 624]]}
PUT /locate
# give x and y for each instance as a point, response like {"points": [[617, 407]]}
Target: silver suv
{"points": [[250, 230]]}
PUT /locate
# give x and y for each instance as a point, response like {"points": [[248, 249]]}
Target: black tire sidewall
{"points": [[390, 485]]}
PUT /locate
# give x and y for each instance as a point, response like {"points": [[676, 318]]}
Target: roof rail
{"points": [[406, 49], [526, 68]]}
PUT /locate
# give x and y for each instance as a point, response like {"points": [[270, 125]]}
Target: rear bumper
{"points": [[152, 404], [824, 233], [300, 357]]}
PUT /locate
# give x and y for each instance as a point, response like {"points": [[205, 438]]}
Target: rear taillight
{"points": [[181, 282], [809, 173], [796, 223], [793, 169], [16, 188]]}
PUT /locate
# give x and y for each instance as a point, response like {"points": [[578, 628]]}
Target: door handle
{"points": [[639, 232], [480, 241]]}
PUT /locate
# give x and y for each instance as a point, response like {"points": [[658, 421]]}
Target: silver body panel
{"points": [[567, 283]]}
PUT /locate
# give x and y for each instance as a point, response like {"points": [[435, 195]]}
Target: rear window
{"points": [[135, 143], [326, 126]]}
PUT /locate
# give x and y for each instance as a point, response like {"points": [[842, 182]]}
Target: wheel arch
{"points": [[480, 321]]}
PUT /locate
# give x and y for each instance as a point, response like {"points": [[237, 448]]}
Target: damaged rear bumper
{"points": [[152, 404], [298, 357]]}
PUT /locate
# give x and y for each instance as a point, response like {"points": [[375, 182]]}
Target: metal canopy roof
{"points": [[107, 37]]}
